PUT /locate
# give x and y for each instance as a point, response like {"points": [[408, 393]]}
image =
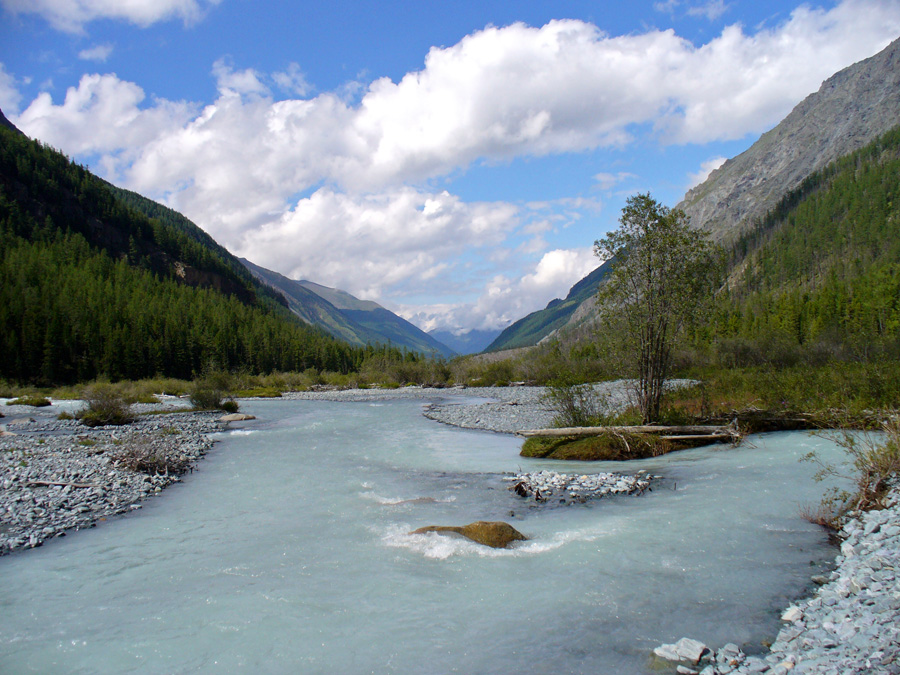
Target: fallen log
{"points": [[581, 432]]}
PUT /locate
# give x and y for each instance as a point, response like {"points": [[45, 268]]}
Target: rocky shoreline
{"points": [[59, 476], [850, 625]]}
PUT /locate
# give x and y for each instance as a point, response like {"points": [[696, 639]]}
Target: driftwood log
{"points": [[584, 432]]}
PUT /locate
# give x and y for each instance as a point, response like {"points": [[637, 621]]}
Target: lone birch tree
{"points": [[662, 271]]}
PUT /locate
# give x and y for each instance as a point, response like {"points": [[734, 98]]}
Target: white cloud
{"points": [[711, 10], [99, 53], [9, 93], [292, 81], [102, 116], [231, 82], [506, 299], [71, 15], [366, 244], [706, 168]]}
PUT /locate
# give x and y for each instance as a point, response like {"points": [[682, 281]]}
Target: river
{"points": [[288, 551]]}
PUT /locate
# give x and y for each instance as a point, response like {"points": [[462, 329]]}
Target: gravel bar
{"points": [[58, 476]]}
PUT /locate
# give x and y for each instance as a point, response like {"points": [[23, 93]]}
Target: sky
{"points": [[453, 161]]}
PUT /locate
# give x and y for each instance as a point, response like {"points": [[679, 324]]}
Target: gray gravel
{"points": [[500, 409], [59, 475]]}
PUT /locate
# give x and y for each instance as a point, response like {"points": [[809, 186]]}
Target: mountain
{"points": [[96, 281], [359, 322], [850, 109], [823, 266], [534, 327], [469, 342]]}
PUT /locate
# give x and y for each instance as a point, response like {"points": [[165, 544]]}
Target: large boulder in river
{"points": [[493, 533]]}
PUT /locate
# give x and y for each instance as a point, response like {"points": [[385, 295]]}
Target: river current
{"points": [[287, 551]]}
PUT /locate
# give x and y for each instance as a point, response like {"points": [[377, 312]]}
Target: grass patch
{"points": [[258, 392], [34, 401], [606, 447], [104, 406]]}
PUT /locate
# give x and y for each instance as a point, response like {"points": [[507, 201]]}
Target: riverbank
{"points": [[58, 476], [845, 627]]}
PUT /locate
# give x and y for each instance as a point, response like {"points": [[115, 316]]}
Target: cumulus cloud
{"points": [[292, 81], [505, 299], [99, 53], [368, 243], [102, 116], [231, 82], [71, 15]]}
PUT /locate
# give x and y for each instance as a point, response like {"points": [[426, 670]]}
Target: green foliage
{"points": [[824, 265], [209, 391], [872, 464], [662, 273], [605, 447], [89, 286], [35, 401], [104, 405]]}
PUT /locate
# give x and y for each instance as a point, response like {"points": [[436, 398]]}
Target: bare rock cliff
{"points": [[853, 107]]}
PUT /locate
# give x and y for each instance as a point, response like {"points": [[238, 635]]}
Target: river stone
{"points": [[493, 533], [236, 417]]}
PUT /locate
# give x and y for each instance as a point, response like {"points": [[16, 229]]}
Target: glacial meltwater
{"points": [[288, 551]]}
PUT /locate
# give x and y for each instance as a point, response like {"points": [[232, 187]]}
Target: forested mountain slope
{"points": [[359, 322], [824, 264], [89, 286], [532, 328], [850, 109]]}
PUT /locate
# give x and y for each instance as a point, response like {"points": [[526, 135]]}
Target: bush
{"points": [[104, 406], [209, 392], [873, 465], [147, 456], [35, 401]]}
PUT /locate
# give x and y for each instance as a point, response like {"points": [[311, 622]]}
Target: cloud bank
{"points": [[71, 15]]}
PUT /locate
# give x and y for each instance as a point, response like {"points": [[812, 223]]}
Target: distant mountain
{"points": [[469, 342], [851, 108], [359, 322], [533, 328]]}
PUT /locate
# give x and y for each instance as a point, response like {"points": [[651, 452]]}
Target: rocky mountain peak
{"points": [[850, 109]]}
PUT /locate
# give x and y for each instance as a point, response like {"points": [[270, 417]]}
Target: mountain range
{"points": [[851, 109], [359, 322]]}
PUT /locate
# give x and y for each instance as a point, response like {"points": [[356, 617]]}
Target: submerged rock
{"points": [[493, 533]]}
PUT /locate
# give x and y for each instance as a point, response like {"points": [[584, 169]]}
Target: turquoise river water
{"points": [[288, 552]]}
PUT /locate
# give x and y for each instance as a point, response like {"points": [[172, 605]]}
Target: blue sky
{"points": [[454, 161]]}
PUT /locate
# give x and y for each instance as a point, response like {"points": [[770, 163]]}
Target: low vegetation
{"points": [[104, 406], [35, 401]]}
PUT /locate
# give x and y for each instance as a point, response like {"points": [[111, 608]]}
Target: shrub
{"points": [[209, 392], [873, 464], [104, 406], [35, 401], [144, 454]]}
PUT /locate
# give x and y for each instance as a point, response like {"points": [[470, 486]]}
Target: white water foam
{"points": [[436, 546]]}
